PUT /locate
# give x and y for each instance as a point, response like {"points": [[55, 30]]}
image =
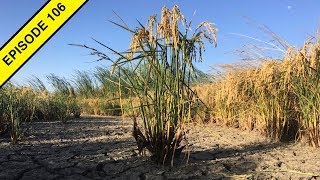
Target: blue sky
{"points": [[293, 20]]}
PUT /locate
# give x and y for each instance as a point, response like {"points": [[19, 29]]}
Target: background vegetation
{"points": [[156, 81], [278, 97]]}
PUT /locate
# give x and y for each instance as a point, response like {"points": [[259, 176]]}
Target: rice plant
{"points": [[4, 116], [17, 106], [37, 85], [84, 84], [278, 97], [157, 70], [305, 62], [107, 83], [61, 85], [23, 104]]}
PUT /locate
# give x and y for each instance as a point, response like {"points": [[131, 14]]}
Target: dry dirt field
{"points": [[103, 148]]}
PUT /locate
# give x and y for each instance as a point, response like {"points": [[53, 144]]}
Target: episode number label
{"points": [[34, 34]]}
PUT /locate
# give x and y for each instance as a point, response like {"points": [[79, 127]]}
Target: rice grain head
{"points": [[164, 28], [137, 40], [176, 16], [209, 32], [151, 23]]}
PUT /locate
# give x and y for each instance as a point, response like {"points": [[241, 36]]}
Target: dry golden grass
{"points": [[280, 98]]}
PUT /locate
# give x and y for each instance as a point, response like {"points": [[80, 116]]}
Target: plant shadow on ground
{"points": [[103, 148], [233, 162]]}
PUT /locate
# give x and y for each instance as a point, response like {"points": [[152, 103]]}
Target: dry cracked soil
{"points": [[102, 148]]}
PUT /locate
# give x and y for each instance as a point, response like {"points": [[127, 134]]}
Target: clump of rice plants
{"points": [[64, 96], [303, 71], [17, 106], [100, 106], [157, 70], [52, 108], [108, 84], [21, 104], [109, 108], [279, 97], [85, 84]]}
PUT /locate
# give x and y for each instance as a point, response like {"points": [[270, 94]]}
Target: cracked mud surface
{"points": [[103, 148]]}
